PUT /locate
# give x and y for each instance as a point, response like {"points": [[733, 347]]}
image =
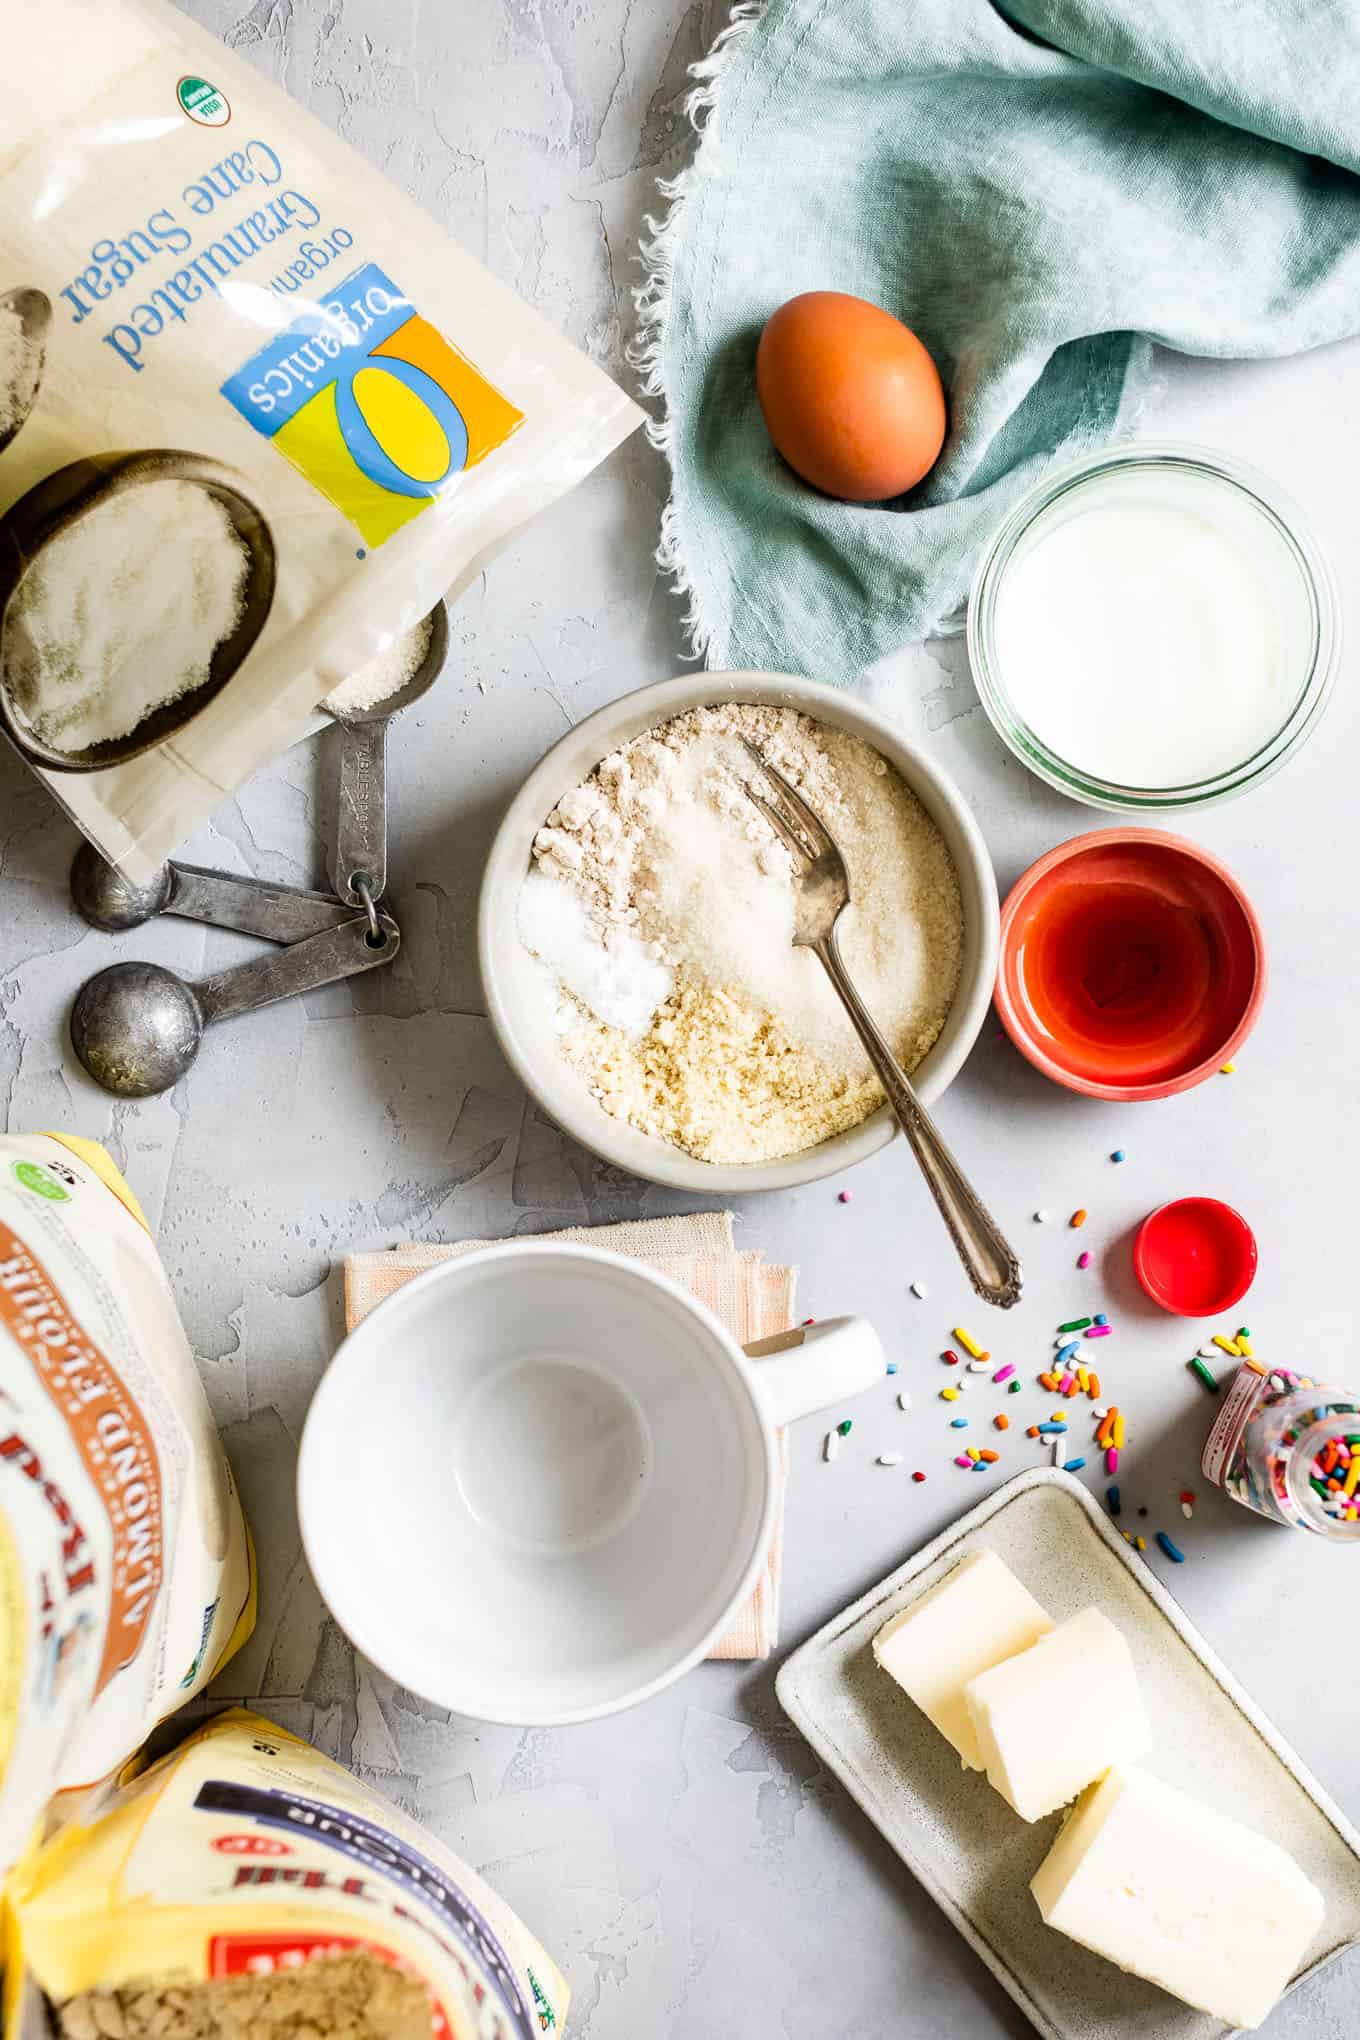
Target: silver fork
{"points": [[822, 892]]}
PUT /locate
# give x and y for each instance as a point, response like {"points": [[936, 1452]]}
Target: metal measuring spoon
{"points": [[109, 901], [136, 1027], [33, 308], [359, 867]]}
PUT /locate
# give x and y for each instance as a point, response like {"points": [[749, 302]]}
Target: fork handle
{"points": [[991, 1263]]}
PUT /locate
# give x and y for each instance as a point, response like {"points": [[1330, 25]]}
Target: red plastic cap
{"points": [[1195, 1257]]}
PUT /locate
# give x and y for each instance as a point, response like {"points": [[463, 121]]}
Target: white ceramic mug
{"points": [[538, 1481]]}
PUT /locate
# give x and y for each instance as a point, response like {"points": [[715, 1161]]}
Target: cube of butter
{"points": [[975, 1616], [1181, 1895], [1052, 1719]]}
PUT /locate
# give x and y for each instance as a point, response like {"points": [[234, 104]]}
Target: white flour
{"points": [[122, 612], [18, 364], [391, 670], [751, 1055]]}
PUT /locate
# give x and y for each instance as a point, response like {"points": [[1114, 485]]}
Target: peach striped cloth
{"points": [[750, 1296]]}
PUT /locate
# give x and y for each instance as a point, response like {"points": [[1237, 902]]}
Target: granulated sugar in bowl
{"points": [[664, 1016]]}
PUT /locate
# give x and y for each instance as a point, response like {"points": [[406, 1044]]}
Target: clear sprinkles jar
{"points": [[1289, 1447]]}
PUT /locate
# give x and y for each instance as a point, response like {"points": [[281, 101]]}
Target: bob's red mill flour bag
{"points": [[257, 415], [246, 1888], [126, 1575]]}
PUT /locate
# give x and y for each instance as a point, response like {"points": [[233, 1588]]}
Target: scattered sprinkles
{"points": [[1002, 1374], [1204, 1373], [958, 1423], [970, 1346], [919, 1289], [1041, 1217], [831, 1445], [949, 1395], [845, 1426], [888, 1459], [845, 1197], [892, 1367], [1083, 1260], [1076, 1324], [1187, 1503], [1112, 1498], [1078, 1218], [1227, 1069], [950, 1358], [1101, 1319], [1118, 1155], [1073, 1465], [1001, 1421], [1015, 1388], [1176, 1557], [903, 1400], [918, 1477]]}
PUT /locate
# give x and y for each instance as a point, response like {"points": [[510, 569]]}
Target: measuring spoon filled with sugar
{"points": [[363, 706]]}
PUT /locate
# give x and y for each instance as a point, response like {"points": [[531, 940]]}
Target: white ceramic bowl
{"points": [[513, 980]]}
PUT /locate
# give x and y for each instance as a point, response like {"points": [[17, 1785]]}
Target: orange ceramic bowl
{"points": [[1132, 965]]}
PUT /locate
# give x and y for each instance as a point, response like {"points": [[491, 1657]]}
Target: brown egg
{"points": [[850, 396]]}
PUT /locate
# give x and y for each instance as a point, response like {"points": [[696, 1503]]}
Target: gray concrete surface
{"points": [[691, 1865]]}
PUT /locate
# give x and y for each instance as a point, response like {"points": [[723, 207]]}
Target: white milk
{"points": [[1153, 628]]}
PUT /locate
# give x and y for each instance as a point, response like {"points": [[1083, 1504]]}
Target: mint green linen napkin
{"points": [[1041, 194]]}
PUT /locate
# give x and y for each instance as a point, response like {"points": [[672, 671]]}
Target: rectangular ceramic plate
{"points": [[959, 1837]]}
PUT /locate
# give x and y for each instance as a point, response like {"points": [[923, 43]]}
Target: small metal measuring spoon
{"points": [[109, 901], [136, 1027], [359, 867]]}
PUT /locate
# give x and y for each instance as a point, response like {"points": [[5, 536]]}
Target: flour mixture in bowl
{"points": [[661, 903]]}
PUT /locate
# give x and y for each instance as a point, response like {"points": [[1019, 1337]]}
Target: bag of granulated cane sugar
{"points": [[257, 415], [126, 1576], [246, 1888]]}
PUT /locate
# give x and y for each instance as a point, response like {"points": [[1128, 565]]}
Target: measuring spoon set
{"points": [[136, 1027]]}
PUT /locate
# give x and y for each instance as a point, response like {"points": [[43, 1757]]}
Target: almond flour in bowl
{"points": [[661, 905]]}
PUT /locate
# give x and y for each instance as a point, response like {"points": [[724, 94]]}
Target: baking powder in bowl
{"points": [[1152, 626]]}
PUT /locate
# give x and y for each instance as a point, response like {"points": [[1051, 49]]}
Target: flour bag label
{"points": [[257, 415]]}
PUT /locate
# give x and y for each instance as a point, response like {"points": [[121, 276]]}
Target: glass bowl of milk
{"points": [[1154, 627]]}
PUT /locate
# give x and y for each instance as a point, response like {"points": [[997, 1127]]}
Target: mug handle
{"points": [[805, 1369]]}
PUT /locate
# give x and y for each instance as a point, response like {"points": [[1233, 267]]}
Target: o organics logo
{"points": [[371, 403], [203, 102]]}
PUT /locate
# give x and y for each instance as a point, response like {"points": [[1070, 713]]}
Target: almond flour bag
{"points": [[257, 414], [246, 1888], [126, 1575]]}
